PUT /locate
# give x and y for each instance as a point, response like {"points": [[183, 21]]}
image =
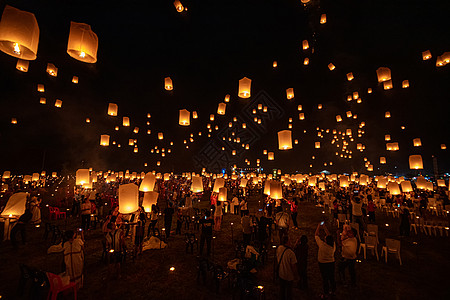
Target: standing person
{"points": [[76, 205], [21, 226], [246, 222], [349, 246], [283, 221], [153, 220], [218, 216], [286, 268], [371, 209], [35, 210], [357, 214], [140, 229], [294, 212], [207, 225], [301, 252], [85, 213], [116, 242], [243, 206], [73, 255], [168, 215], [235, 205], [404, 223], [326, 260]]}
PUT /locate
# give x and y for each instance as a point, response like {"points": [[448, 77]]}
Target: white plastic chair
{"points": [[372, 229], [370, 242], [392, 246]]}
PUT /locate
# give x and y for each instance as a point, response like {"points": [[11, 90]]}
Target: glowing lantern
{"points": [[19, 33], [274, 64], [317, 145], [338, 118], [82, 177], [276, 192], [104, 140], [443, 147], [343, 181], [296, 141], [150, 198], [128, 198], [323, 19], [270, 156], [349, 114], [166, 177], [415, 162], [185, 118], [233, 152], [13, 121], [382, 160], [306, 61], [387, 85], [350, 76], [305, 44], [405, 84], [58, 103], [83, 43], [393, 188], [284, 140], [221, 108], [126, 121], [6, 175], [178, 6], [363, 179], [417, 142], [197, 184], [244, 87], [290, 93], [369, 91], [160, 136], [426, 55], [40, 88], [52, 70], [387, 137], [54, 174], [299, 108], [243, 182], [387, 115], [74, 79], [22, 65], [136, 130], [383, 74], [218, 183], [370, 168], [168, 84], [88, 120], [331, 67], [244, 125], [301, 116], [441, 183], [112, 109], [406, 186], [222, 194]]}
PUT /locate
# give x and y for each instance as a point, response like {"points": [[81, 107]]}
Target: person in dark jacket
{"points": [[21, 227], [168, 215], [404, 223], [301, 252]]}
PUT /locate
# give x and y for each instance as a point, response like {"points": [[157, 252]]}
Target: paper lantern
{"points": [[26, 178], [290, 93], [82, 177], [150, 198], [160, 136], [83, 43], [393, 188], [54, 174], [243, 183], [319, 106], [284, 140], [276, 192], [22, 65], [128, 198], [13, 121], [421, 182], [270, 156], [221, 108], [387, 137], [350, 76], [426, 55], [405, 84], [244, 87], [40, 88], [441, 183], [112, 109], [104, 140], [305, 44], [338, 118], [244, 125], [19, 33], [387, 85], [343, 181], [363, 179], [443, 146], [126, 121], [168, 84], [417, 142], [75, 79], [136, 130], [306, 61], [331, 67], [415, 162], [222, 194], [218, 183], [383, 74], [323, 19], [197, 184], [387, 115], [6, 175], [317, 145], [185, 118], [166, 177], [349, 114], [382, 160], [178, 6], [370, 168], [312, 181], [301, 116], [274, 64], [406, 186], [52, 70], [58, 103]]}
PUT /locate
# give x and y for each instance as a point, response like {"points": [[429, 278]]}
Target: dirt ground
{"points": [[423, 275]]}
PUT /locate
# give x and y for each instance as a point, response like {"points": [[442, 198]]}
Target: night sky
{"points": [[206, 50]]}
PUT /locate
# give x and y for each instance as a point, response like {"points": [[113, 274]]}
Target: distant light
{"points": [[387, 225], [172, 269], [111, 251]]}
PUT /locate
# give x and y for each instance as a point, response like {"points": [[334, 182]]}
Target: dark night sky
{"points": [[205, 51]]}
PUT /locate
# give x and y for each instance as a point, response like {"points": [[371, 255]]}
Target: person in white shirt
{"points": [[283, 221], [286, 268], [235, 205], [349, 246], [326, 259], [218, 216]]}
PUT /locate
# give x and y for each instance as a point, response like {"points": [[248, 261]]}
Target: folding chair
{"points": [[392, 246]]}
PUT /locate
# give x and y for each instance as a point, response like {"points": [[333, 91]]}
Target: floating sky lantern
{"points": [[415, 162], [112, 109], [58, 103], [184, 118], [350, 76], [323, 18], [387, 114], [244, 87], [40, 88], [338, 118], [52, 70], [426, 55], [150, 198], [126, 121], [22, 65], [270, 156], [387, 137], [305, 45], [284, 140], [104, 140], [178, 6], [331, 67], [274, 64], [221, 108], [405, 84], [383, 74], [301, 116], [387, 85], [406, 186], [443, 147], [88, 120], [82, 177], [276, 192], [393, 188], [168, 84], [222, 194], [317, 145], [417, 142], [13, 121], [19, 33], [306, 61], [83, 43], [128, 198], [382, 160], [197, 184], [75, 79], [42, 100]]}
